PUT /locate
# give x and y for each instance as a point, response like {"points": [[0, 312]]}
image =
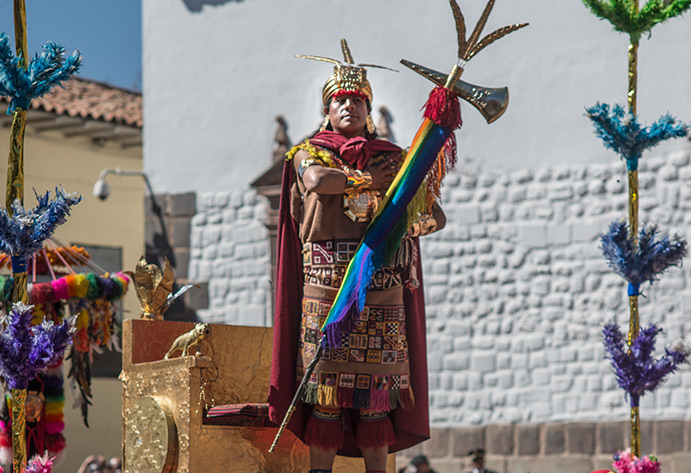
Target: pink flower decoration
{"points": [[625, 462], [40, 464]]}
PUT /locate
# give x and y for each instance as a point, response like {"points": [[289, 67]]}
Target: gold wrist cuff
{"points": [[424, 225]]}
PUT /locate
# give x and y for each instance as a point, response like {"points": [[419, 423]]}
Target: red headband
{"points": [[350, 93]]}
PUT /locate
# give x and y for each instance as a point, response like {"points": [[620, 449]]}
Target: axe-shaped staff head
{"points": [[490, 102]]}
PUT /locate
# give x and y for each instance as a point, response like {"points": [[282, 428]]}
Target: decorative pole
{"points": [[15, 190], [632, 169], [621, 132], [22, 83]]}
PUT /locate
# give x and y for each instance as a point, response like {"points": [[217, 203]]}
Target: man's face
{"points": [[478, 463], [348, 115]]}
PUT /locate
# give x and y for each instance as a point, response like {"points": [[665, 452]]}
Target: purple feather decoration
{"points": [[648, 261], [25, 351], [637, 371], [23, 234]]}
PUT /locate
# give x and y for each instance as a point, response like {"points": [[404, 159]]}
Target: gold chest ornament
{"points": [[360, 206]]}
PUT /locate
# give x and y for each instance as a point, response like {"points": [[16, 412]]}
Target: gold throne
{"points": [[165, 404]]}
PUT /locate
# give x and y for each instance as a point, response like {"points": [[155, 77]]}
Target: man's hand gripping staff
{"points": [[441, 118]]}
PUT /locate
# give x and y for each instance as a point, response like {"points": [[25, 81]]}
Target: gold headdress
{"points": [[347, 76]]}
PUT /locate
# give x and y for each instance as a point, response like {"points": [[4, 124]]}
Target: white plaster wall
{"points": [[217, 72]]}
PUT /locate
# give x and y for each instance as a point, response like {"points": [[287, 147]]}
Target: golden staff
{"points": [[15, 190], [634, 320]]}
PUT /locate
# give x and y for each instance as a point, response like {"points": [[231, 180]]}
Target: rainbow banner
{"points": [[385, 229]]}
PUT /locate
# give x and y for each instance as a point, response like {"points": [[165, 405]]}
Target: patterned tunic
{"points": [[370, 368]]}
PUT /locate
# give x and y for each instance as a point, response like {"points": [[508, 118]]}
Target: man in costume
{"points": [[368, 395]]}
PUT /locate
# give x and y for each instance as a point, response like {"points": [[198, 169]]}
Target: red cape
{"points": [[411, 426]]}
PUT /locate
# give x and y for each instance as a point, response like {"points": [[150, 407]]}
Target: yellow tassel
{"points": [[327, 396]]}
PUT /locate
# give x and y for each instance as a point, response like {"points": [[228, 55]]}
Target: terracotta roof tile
{"points": [[94, 100]]}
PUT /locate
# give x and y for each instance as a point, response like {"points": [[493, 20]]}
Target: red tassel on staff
{"points": [[444, 110]]}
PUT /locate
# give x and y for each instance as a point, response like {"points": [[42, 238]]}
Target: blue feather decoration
{"points": [[646, 262], [42, 74], [636, 370], [621, 132], [23, 233]]}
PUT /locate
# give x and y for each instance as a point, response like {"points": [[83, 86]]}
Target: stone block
{"points": [[517, 195], [528, 439], [245, 213], [559, 234], [466, 214], [585, 232], [555, 439], [182, 262], [438, 443], [533, 235], [180, 228], [581, 438], [483, 362], [182, 205], [679, 158], [506, 380], [454, 362], [203, 271], [646, 432], [228, 215], [210, 236], [669, 436], [611, 437], [198, 297], [522, 176], [548, 465], [221, 199], [499, 439], [254, 316], [561, 193], [676, 463]]}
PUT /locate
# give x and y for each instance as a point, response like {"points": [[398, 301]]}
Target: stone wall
{"points": [[230, 253]]}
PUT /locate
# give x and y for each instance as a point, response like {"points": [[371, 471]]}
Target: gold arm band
{"points": [[308, 162], [356, 180]]}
